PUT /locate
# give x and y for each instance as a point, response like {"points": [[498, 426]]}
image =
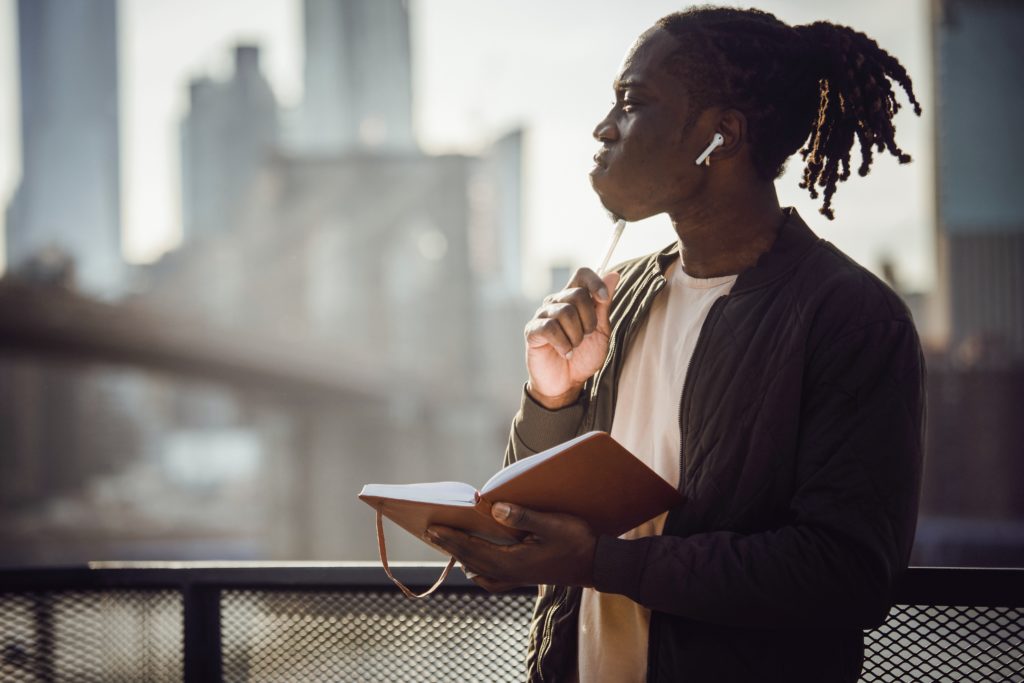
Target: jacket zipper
{"points": [[591, 419], [546, 642], [684, 422], [652, 649], [643, 306]]}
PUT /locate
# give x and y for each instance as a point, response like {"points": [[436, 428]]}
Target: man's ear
{"points": [[732, 124]]}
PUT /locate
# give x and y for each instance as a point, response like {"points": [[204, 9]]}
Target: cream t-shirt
{"points": [[613, 628]]}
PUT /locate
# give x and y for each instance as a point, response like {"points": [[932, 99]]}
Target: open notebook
{"points": [[591, 476]]}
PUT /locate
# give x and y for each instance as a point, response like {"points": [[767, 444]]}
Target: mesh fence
{"points": [[374, 636], [379, 635], [103, 636], [924, 643]]}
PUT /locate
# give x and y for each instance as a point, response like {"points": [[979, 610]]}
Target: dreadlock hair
{"points": [[821, 84]]}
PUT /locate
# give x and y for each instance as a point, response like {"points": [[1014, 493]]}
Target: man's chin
{"points": [[628, 214], [616, 207]]}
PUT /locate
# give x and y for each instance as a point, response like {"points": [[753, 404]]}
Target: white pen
{"points": [[620, 224]]}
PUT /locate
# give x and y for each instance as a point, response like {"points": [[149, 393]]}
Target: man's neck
{"points": [[722, 236]]}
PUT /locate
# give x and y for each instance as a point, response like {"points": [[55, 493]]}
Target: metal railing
{"points": [[198, 621]]}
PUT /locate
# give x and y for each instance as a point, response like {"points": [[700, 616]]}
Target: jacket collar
{"points": [[790, 246]]}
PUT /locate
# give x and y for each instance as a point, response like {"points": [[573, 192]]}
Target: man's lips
{"points": [[601, 160]]}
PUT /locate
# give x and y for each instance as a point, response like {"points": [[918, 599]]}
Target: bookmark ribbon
{"points": [[382, 547]]}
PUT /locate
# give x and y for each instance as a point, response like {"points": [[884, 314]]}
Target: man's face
{"points": [[646, 162]]}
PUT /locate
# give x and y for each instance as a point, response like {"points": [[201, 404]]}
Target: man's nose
{"points": [[606, 130]]}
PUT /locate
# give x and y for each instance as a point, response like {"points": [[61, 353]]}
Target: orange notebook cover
{"points": [[591, 476]]}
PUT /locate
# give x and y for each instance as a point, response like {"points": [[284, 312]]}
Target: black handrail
{"points": [[255, 575], [919, 585]]}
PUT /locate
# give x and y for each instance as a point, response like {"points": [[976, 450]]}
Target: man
{"points": [[778, 384]]}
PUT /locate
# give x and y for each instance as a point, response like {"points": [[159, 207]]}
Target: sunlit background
{"points": [[260, 252]]}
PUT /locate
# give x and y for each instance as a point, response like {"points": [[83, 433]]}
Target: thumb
{"points": [[603, 308], [518, 517]]}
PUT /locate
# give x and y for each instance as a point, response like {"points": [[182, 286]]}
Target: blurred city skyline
{"points": [[516, 76], [343, 269]]}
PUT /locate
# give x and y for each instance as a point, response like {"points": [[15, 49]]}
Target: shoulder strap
{"points": [[382, 547]]}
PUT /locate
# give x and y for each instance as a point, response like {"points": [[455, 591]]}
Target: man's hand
{"points": [[558, 550], [567, 339]]}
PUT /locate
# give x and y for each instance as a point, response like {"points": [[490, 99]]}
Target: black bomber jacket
{"points": [[801, 420]]}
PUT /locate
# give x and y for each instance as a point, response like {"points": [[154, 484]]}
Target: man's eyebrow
{"points": [[629, 83]]}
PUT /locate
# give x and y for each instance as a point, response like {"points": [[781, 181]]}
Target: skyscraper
{"points": [[69, 195], [495, 235], [979, 65], [230, 130], [358, 84]]}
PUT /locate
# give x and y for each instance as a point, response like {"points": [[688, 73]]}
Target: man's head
{"points": [[649, 138], [765, 86]]}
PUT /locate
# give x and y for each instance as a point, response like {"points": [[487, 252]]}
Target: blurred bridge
{"points": [[56, 322], [340, 407]]}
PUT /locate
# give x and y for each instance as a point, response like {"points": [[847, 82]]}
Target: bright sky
{"points": [[480, 68]]}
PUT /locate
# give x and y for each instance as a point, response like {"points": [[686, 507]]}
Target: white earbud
{"points": [[716, 141]]}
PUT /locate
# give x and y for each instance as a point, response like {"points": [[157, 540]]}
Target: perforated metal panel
{"points": [[924, 643], [103, 636], [374, 636]]}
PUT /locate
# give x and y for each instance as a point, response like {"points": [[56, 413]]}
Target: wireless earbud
{"points": [[716, 141]]}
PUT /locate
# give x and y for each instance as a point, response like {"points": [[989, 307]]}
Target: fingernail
{"points": [[568, 355], [501, 510], [432, 535], [602, 294]]}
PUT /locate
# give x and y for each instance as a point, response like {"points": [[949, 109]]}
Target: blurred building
{"points": [[366, 257], [972, 511], [495, 238], [352, 242], [68, 199], [353, 254], [495, 244], [979, 66], [358, 76], [558, 276], [229, 132], [370, 254]]}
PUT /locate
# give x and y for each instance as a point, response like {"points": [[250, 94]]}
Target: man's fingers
{"points": [[455, 542], [583, 305], [547, 331], [588, 279], [576, 302], [559, 550], [568, 317], [475, 554]]}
